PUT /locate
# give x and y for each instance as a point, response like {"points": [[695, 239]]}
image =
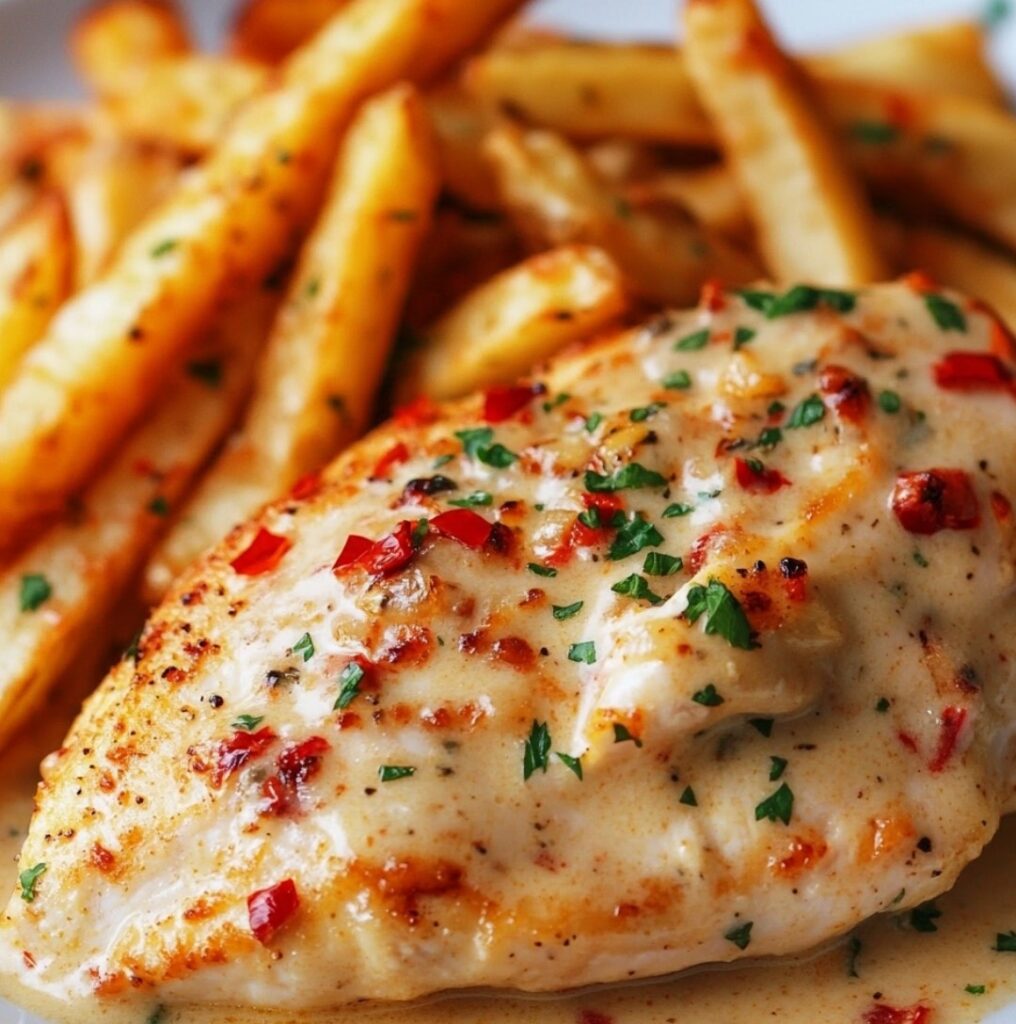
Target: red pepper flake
{"points": [[463, 525], [953, 720], [383, 557], [145, 467], [756, 478], [354, 548], [712, 296], [701, 547], [395, 456], [306, 487], [294, 766], [920, 281], [239, 749], [607, 504], [417, 413], [844, 392], [269, 909], [262, 555], [882, 1014], [276, 797], [935, 499], [501, 403], [907, 740], [972, 371], [1001, 506], [795, 578]]}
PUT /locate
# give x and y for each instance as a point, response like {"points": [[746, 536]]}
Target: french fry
{"points": [[589, 91], [228, 222], [269, 30], [555, 198], [114, 41], [812, 218], [36, 259], [948, 59], [517, 319], [77, 570], [328, 349]]}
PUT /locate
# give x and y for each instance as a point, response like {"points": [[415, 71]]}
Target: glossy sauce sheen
{"points": [[423, 858]]}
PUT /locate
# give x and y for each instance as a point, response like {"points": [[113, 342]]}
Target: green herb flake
{"points": [[853, 952], [995, 14], [769, 438], [922, 918], [35, 591], [593, 420], [630, 477], [350, 678], [975, 990], [889, 401], [688, 797], [1005, 942], [443, 460], [677, 510], [807, 413], [659, 564], [566, 611], [637, 587], [208, 371], [679, 380], [474, 500], [947, 315], [693, 342], [164, 248], [777, 766], [919, 559], [28, 880], [707, 696], [777, 807], [743, 335], [882, 706], [585, 652], [157, 1016], [391, 772], [536, 754], [776, 408], [247, 723], [554, 402], [572, 763], [478, 443], [644, 412], [304, 646], [740, 935], [757, 300], [724, 615], [542, 570], [762, 725], [634, 535], [874, 133], [622, 734]]}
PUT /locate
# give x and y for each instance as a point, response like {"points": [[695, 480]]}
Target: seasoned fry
{"points": [[517, 319], [323, 365], [461, 126], [228, 222], [812, 219], [85, 562], [555, 199], [269, 30], [36, 257], [114, 41]]}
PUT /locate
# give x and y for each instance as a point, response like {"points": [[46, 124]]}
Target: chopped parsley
{"points": [[975, 990], [28, 880], [889, 401], [742, 336], [874, 133], [542, 570], [623, 735], [798, 299], [688, 797], [1005, 942], [740, 935], [304, 646], [769, 438], [157, 1016], [632, 537], [777, 766], [643, 412], [707, 696], [677, 381], [442, 460], [637, 587], [593, 420], [882, 706], [557, 400], [158, 506], [629, 477], [391, 772], [947, 315], [853, 952], [777, 807], [995, 13], [247, 723], [677, 509], [922, 917], [35, 592], [693, 342], [919, 559], [762, 725], [208, 371], [474, 500], [164, 248], [536, 755], [807, 413], [659, 564], [724, 615], [419, 532], [584, 652], [593, 518], [573, 763], [566, 611], [478, 443], [350, 679]]}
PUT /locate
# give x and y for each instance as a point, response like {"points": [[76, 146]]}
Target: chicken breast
{"points": [[700, 646]]}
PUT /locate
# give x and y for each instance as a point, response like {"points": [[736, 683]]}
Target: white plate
{"points": [[33, 62]]}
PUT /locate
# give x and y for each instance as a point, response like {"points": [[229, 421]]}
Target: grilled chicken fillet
{"points": [[701, 645]]}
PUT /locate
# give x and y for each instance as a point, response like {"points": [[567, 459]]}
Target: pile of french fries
{"points": [[225, 267]]}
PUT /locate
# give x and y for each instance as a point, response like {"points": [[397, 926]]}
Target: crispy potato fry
{"points": [[555, 198], [515, 320], [228, 222], [461, 126], [86, 562], [812, 218], [328, 349], [36, 259], [947, 59], [114, 41], [964, 264], [956, 153], [269, 30], [589, 91]]}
